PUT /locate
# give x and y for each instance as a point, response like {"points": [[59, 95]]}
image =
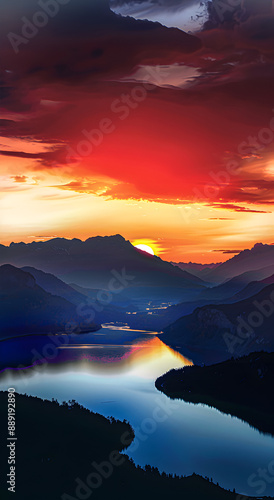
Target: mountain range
{"points": [[215, 333], [199, 270], [95, 263], [258, 257], [107, 280], [25, 307], [229, 291]]}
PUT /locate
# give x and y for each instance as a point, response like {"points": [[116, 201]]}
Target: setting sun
{"points": [[145, 248], [149, 245], [137, 249]]}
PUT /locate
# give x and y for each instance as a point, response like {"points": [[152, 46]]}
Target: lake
{"points": [[117, 379]]}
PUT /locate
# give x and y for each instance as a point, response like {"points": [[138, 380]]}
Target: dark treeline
{"points": [[241, 387], [58, 443]]}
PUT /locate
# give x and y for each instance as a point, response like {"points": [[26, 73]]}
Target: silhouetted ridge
{"points": [[91, 263], [242, 387], [26, 308]]}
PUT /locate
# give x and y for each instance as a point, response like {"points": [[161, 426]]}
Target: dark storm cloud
{"points": [[232, 13], [47, 159], [5, 125], [83, 39]]}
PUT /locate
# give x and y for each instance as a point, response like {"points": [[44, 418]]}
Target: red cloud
{"points": [[162, 144], [19, 178]]}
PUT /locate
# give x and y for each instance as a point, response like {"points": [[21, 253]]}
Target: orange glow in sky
{"points": [[167, 139]]}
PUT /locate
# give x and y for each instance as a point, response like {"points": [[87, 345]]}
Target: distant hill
{"points": [[232, 286], [199, 270], [214, 333], [260, 256], [26, 308], [252, 288], [225, 293], [194, 266], [241, 387], [96, 263], [54, 285], [103, 312]]}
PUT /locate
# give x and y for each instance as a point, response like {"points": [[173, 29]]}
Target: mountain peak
{"points": [[259, 256], [259, 246], [11, 277], [117, 237]]}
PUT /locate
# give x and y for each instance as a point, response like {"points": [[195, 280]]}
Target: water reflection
{"points": [[113, 372], [132, 352]]}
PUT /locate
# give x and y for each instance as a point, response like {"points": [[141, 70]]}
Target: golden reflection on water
{"points": [[144, 358]]}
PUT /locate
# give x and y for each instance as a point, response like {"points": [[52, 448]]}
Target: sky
{"points": [[111, 124]]}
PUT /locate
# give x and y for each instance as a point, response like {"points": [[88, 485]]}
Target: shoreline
{"points": [[79, 457], [240, 388], [45, 334]]}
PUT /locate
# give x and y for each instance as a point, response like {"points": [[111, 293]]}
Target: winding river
{"points": [[117, 380]]}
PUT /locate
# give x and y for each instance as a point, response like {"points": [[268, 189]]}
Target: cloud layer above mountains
{"points": [[71, 107]]}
